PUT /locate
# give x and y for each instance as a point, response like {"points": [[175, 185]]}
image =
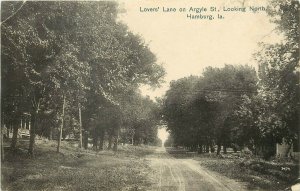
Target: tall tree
{"points": [[68, 49], [199, 110]]}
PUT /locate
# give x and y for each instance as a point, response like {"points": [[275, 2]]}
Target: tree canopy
{"points": [[72, 51], [235, 106]]}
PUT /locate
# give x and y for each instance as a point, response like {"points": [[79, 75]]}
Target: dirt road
{"points": [[187, 175]]}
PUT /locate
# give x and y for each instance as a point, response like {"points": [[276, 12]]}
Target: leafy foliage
{"points": [[72, 50], [231, 107], [199, 110]]}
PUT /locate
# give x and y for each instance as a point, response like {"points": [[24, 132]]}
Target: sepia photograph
{"points": [[150, 95]]}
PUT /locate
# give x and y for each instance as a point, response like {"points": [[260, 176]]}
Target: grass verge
{"points": [[258, 174], [76, 169]]}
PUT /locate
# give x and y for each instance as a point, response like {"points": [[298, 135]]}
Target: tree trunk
{"points": [[7, 131], [80, 126], [34, 117], [212, 148], [32, 134], [95, 140], [224, 149], [136, 137], [207, 148], [219, 149], [85, 140], [194, 148], [102, 139], [2, 147], [14, 137], [116, 142], [2, 136], [51, 133], [286, 154], [110, 140], [62, 123], [200, 149]]}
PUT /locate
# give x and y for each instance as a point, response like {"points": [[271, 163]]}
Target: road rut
{"points": [[187, 175]]}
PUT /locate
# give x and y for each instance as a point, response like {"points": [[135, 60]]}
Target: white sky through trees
{"points": [[185, 47], [162, 135]]}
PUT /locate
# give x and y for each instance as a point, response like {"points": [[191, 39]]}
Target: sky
{"points": [[162, 135], [185, 47]]}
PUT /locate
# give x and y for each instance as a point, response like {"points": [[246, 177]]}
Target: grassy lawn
{"points": [[75, 169], [256, 173]]}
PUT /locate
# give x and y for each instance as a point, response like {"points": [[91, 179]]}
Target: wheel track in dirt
{"points": [[188, 175]]}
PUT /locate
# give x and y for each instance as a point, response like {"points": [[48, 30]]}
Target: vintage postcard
{"points": [[152, 95]]}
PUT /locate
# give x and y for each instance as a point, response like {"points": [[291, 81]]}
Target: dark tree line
{"points": [[235, 106], [199, 110], [70, 66]]}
